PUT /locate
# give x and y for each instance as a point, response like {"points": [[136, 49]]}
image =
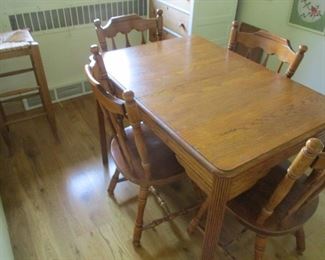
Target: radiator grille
{"points": [[74, 16]]}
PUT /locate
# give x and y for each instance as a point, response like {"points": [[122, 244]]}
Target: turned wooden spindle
{"points": [[298, 167], [294, 65], [101, 70], [139, 155], [250, 43], [125, 24], [233, 35], [100, 35], [160, 22], [133, 117]]}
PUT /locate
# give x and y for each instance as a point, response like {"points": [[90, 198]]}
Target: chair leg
{"points": [[162, 203], [196, 220], [300, 240], [113, 182], [142, 200], [102, 134], [260, 245]]}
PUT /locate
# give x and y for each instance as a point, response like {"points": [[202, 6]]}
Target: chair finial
{"points": [[235, 24], [128, 95], [159, 12], [97, 23], [313, 147], [94, 49], [303, 48]]}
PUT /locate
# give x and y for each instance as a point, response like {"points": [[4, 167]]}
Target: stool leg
{"points": [[5, 133], [102, 134], [3, 115], [42, 83]]}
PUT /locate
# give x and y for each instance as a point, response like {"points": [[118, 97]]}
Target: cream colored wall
{"points": [[273, 15], [212, 19], [65, 52]]}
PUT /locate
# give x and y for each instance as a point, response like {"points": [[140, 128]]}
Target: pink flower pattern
{"points": [[313, 11]]}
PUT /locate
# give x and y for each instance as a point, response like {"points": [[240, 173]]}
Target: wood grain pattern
{"points": [[280, 203], [284, 200], [56, 203], [57, 207], [243, 99], [217, 98], [139, 155]]}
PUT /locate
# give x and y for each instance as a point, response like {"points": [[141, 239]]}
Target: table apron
{"points": [[240, 182]]}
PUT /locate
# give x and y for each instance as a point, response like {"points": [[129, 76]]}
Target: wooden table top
{"points": [[223, 108]]}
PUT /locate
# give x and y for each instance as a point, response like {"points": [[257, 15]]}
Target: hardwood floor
{"points": [[56, 204]]}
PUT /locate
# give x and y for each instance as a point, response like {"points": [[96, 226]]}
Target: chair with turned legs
{"points": [[140, 156], [281, 202], [106, 34]]}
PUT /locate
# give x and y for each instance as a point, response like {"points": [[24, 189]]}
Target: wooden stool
{"points": [[15, 44]]}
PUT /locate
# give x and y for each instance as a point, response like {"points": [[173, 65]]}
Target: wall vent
{"points": [[35, 101], [74, 16], [69, 91], [87, 86], [59, 94]]}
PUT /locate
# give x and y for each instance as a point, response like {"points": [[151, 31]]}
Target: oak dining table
{"points": [[228, 119]]}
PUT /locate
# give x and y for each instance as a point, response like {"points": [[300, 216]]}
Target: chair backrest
{"points": [[125, 24], [271, 45], [310, 156], [117, 109], [255, 54]]}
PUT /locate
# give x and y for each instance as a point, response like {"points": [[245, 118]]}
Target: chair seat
{"points": [[164, 166], [247, 206]]}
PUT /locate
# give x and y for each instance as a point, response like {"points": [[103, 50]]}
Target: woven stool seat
{"points": [[14, 40]]}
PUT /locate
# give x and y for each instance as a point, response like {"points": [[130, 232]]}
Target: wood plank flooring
{"points": [[56, 204]]}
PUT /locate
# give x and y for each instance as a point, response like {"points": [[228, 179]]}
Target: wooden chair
{"points": [[282, 201], [255, 54], [125, 24], [16, 44], [271, 45], [139, 155]]}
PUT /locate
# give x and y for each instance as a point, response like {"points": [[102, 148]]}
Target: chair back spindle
{"points": [[118, 109], [125, 24], [309, 156], [271, 45], [99, 70]]}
